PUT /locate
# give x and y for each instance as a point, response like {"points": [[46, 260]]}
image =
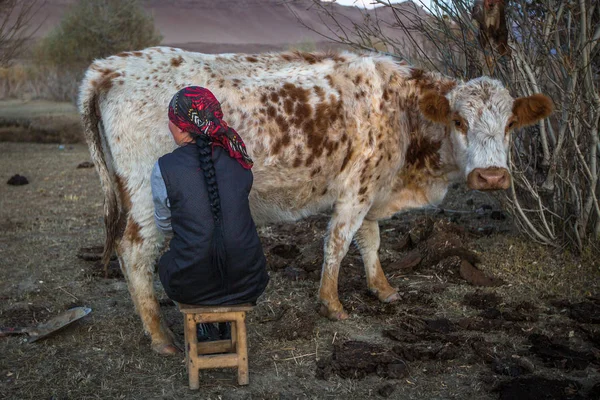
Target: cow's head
{"points": [[480, 116]]}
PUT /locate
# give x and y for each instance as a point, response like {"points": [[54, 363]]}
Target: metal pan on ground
{"points": [[49, 327]]}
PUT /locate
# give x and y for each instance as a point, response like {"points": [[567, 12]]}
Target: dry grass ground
{"points": [[106, 355], [39, 121]]}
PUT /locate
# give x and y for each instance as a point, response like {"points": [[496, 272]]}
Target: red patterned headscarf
{"points": [[196, 110]]}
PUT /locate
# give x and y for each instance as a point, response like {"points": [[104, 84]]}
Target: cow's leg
{"points": [[137, 255], [368, 240], [345, 221]]}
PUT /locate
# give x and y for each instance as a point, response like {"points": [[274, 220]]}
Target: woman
{"points": [[200, 193]]}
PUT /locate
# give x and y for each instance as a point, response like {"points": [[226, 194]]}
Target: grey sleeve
{"points": [[162, 211]]}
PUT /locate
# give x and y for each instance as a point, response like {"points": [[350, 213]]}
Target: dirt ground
{"points": [[532, 334]]}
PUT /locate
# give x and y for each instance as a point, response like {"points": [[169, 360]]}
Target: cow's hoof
{"points": [[391, 298], [166, 349], [333, 314]]}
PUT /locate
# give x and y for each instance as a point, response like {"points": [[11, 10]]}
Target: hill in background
{"points": [[243, 25]]}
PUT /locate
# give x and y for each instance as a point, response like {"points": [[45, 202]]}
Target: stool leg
{"points": [[233, 336], [191, 351], [242, 349]]}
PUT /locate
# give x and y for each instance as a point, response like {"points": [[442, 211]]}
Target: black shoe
{"points": [[207, 332], [225, 330]]}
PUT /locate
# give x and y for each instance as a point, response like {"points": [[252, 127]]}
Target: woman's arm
{"points": [[162, 212]]}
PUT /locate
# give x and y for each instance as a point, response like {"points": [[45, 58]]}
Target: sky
{"points": [[368, 3]]}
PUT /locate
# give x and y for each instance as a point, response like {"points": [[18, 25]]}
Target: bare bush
{"points": [[554, 48], [15, 27], [90, 29], [28, 82]]}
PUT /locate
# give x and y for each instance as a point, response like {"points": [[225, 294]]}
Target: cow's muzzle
{"points": [[492, 178]]}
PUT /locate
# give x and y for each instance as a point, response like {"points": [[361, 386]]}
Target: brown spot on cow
{"points": [[271, 112], [105, 82], [336, 234], [138, 53], [303, 111], [123, 193], [385, 95], [251, 59], [425, 82], [348, 156], [124, 54], [276, 147], [329, 80], [309, 160], [315, 172], [423, 152], [288, 106], [319, 92], [297, 162], [313, 58], [133, 232], [282, 123], [274, 97], [295, 93]]}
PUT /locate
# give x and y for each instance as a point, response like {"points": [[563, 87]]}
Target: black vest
{"points": [[185, 270]]}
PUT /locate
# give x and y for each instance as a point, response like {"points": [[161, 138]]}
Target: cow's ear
{"points": [[435, 107], [529, 110]]}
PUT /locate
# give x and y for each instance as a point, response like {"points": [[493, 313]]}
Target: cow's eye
{"points": [[511, 125], [457, 123]]}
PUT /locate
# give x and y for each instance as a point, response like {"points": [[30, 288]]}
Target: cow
{"points": [[361, 135]]}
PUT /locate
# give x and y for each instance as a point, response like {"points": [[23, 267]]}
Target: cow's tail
{"points": [[92, 126]]}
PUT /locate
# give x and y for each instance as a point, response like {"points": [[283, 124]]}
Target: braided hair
{"points": [[219, 253], [195, 110]]}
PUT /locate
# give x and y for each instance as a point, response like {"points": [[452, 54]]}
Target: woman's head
{"points": [[195, 112]]}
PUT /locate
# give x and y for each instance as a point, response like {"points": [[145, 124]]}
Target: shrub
{"points": [[94, 29]]}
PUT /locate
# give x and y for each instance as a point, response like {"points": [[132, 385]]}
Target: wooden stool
{"points": [[201, 355]]}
